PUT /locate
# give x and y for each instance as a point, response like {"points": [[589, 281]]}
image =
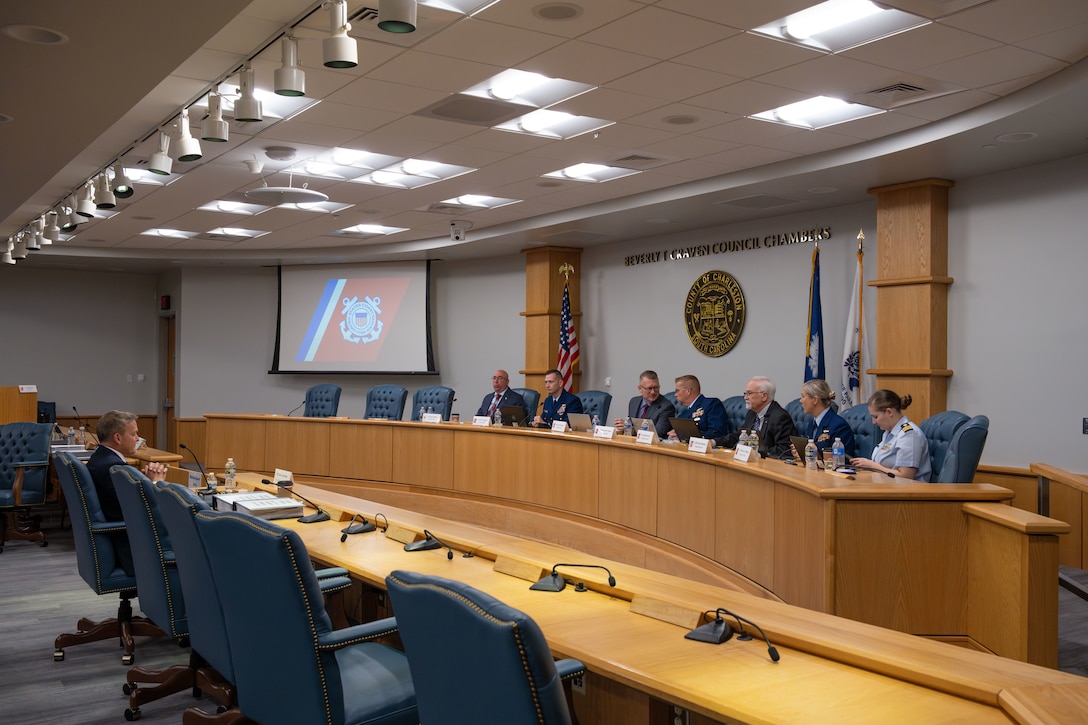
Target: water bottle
{"points": [[645, 426], [810, 454], [71, 436], [421, 412], [81, 437], [230, 472], [628, 426], [753, 440], [838, 454], [742, 439], [596, 422], [430, 410], [497, 417]]}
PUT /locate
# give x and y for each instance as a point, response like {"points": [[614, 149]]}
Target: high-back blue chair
{"points": [[532, 400], [680, 407], [24, 467], [457, 637], [596, 402], [866, 434], [964, 452], [97, 563], [437, 397], [290, 665], [938, 430], [802, 421], [735, 412], [322, 401], [386, 401]]}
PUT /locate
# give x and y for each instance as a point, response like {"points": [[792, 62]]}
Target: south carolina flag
{"points": [[352, 319], [814, 353]]}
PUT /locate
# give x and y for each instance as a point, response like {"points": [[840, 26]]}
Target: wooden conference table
{"points": [[639, 665], [950, 561]]}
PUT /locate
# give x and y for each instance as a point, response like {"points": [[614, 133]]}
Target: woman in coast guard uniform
{"points": [[904, 449]]}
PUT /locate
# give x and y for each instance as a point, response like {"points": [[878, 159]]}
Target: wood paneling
{"points": [[686, 505], [361, 450], [745, 524], [628, 488], [190, 431], [240, 438], [543, 304], [423, 455], [17, 407], [801, 549], [298, 445]]}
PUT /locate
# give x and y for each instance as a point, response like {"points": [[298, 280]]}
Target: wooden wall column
{"points": [[912, 293], [543, 307]]}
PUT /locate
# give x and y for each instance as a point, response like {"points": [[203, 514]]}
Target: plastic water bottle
{"points": [[230, 472], [810, 454], [596, 422], [71, 436], [742, 439], [497, 417], [421, 412], [628, 426], [430, 409], [645, 426], [838, 454], [81, 437], [753, 440]]}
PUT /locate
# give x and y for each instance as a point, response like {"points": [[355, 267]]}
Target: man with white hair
{"points": [[767, 418]]}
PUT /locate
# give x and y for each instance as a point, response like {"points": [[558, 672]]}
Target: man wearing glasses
{"points": [[501, 395], [708, 413], [767, 418], [650, 403]]}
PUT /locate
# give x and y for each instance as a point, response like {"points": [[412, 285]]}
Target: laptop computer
{"points": [[513, 415], [580, 422], [799, 442], [685, 428]]}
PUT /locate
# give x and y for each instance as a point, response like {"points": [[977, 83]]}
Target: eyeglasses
{"points": [[650, 387], [499, 377], [750, 393]]}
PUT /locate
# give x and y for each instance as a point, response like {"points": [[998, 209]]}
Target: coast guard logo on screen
{"points": [[361, 323], [352, 319]]}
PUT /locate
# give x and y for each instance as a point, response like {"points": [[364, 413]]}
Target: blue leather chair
{"points": [[24, 468], [290, 665], [671, 395], [938, 430], [802, 421], [866, 434], [97, 563], [386, 401], [458, 638], [437, 397], [596, 402], [322, 401], [735, 412], [964, 452], [532, 400]]}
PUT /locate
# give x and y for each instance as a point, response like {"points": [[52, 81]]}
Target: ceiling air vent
{"points": [[445, 207], [901, 91], [474, 110], [640, 162]]}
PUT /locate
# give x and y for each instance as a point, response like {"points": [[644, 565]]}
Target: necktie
{"points": [[642, 410], [494, 404], [758, 425]]}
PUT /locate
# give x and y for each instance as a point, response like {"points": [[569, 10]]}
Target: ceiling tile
{"points": [[748, 97], [1012, 21], [575, 60], [748, 56], [483, 42], [941, 44], [673, 81], [992, 66], [657, 33]]}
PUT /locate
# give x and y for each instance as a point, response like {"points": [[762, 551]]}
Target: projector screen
{"points": [[366, 318]]}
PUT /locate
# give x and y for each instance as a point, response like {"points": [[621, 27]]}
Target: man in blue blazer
{"points": [[501, 395], [558, 403], [708, 413], [650, 403]]}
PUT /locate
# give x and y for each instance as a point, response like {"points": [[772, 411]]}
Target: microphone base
{"points": [[423, 545], [313, 518], [714, 632], [364, 528], [550, 583]]}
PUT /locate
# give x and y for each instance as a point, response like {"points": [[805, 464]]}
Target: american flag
{"points": [[568, 341]]}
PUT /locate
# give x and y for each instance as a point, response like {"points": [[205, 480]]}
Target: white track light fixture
{"points": [[397, 16], [103, 194], [188, 148], [52, 231], [247, 108], [7, 246], [160, 162], [85, 205], [34, 237], [69, 219], [290, 79], [18, 249], [340, 50], [214, 127], [122, 185]]}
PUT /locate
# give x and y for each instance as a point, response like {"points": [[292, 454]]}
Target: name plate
{"points": [[483, 421], [282, 475], [431, 418], [606, 432], [745, 454], [28, 388], [195, 480], [699, 445], [559, 426], [647, 437]]}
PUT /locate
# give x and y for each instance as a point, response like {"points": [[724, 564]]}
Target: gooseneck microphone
{"points": [[555, 583], [295, 409], [78, 419], [433, 542], [718, 630], [199, 465], [362, 527], [319, 514]]}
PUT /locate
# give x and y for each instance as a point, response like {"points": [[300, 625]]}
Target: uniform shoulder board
{"points": [[906, 427]]}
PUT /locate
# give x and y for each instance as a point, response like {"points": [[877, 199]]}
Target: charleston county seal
{"points": [[714, 312]]}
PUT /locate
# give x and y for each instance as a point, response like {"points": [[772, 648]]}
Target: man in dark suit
{"points": [[708, 413], [767, 418], [118, 436], [501, 395], [558, 403], [650, 404]]}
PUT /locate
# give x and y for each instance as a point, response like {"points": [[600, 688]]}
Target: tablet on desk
{"points": [[512, 414], [580, 422], [685, 428]]}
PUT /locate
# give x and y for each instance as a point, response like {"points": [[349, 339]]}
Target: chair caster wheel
{"points": [[58, 656], [128, 659], [43, 544], [132, 714], [129, 687]]}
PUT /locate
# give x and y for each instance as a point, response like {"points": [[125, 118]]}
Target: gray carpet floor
{"points": [[42, 595]]}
